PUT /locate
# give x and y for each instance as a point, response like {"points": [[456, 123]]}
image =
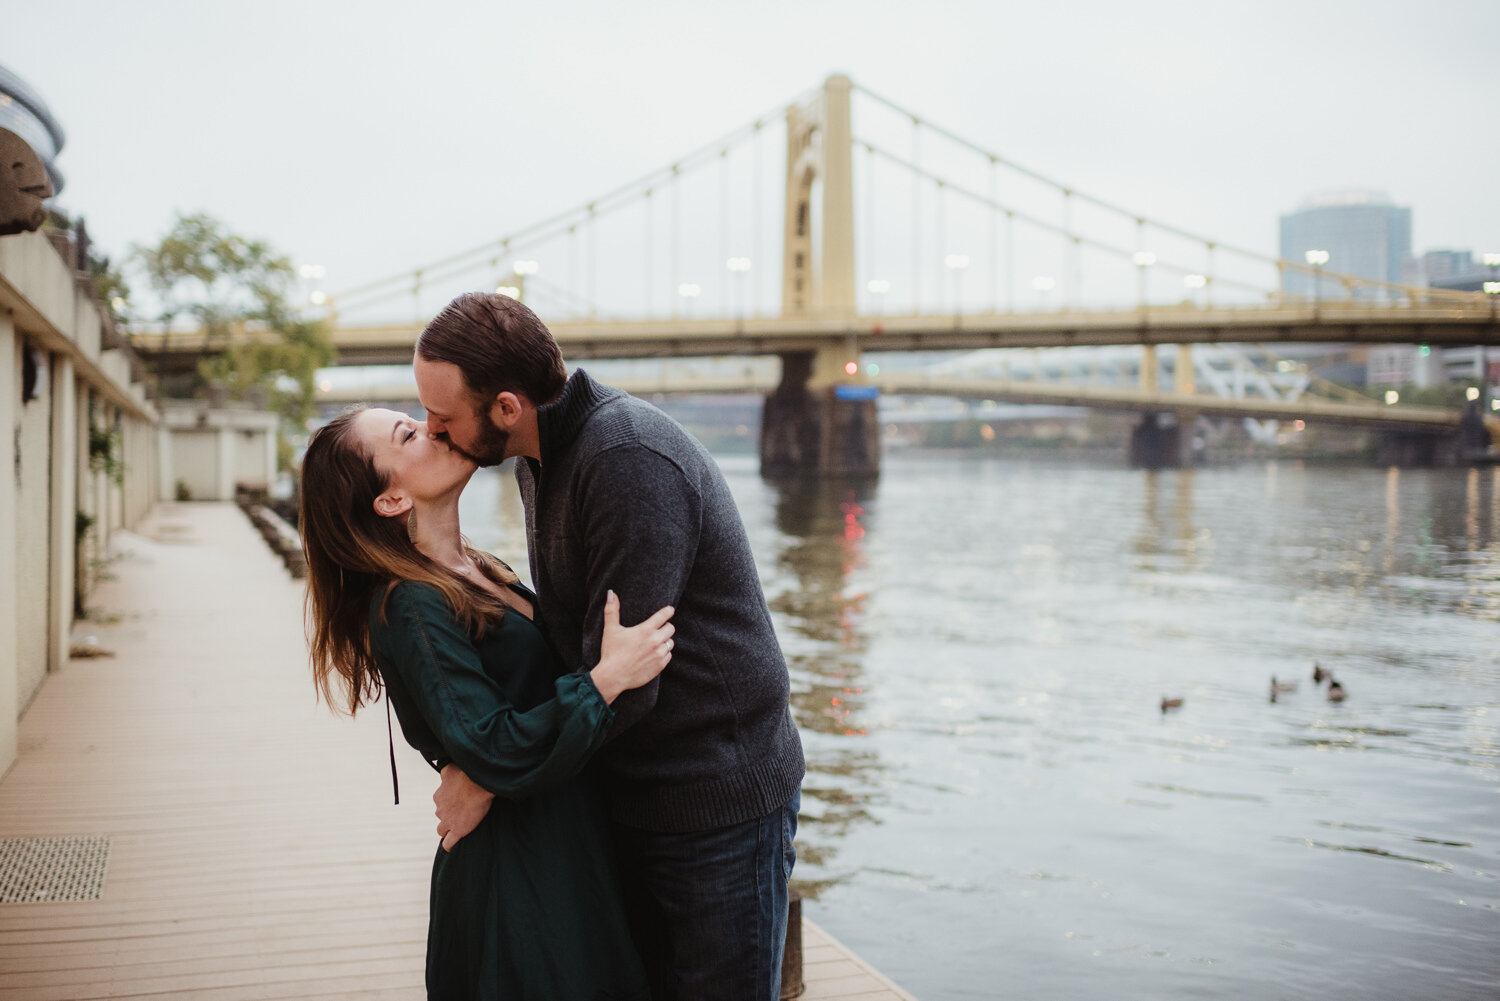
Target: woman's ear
{"points": [[392, 503]]}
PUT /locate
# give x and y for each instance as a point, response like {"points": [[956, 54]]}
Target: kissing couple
{"points": [[617, 802]]}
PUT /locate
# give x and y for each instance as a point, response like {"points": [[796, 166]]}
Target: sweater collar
{"points": [[559, 421]]}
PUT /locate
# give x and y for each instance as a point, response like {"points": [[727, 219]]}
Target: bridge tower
{"points": [[821, 419]]}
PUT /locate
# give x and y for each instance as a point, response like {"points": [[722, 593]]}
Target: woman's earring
{"points": [[411, 525]]}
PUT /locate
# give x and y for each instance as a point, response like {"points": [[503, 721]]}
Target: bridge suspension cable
{"points": [[556, 224], [1349, 281], [1015, 214]]}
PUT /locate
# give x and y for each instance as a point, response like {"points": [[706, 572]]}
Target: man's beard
{"points": [[489, 450]]}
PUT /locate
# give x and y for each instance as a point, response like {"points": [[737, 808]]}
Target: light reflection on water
{"points": [[997, 807]]}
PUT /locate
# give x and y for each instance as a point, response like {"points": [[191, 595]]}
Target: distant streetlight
{"points": [[1492, 260], [314, 273], [1471, 394], [1391, 396], [740, 268], [1193, 282], [510, 291], [1143, 259], [1043, 284], [958, 264], [1317, 258], [526, 267]]}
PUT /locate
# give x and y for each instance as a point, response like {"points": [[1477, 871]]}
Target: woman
{"points": [[526, 905]]}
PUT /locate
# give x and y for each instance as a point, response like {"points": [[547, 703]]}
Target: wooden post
{"points": [[792, 984]]}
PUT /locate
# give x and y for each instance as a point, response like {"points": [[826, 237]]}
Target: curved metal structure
{"points": [[23, 112]]}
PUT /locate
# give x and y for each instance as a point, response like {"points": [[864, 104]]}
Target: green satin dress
{"points": [[526, 906]]}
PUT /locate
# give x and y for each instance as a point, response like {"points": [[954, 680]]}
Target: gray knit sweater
{"points": [[625, 499]]}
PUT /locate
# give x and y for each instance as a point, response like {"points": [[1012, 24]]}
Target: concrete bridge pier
{"points": [[1164, 440], [1418, 449], [817, 425]]}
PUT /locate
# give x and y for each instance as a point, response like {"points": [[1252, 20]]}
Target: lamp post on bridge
{"points": [[740, 268], [312, 273], [1143, 259], [1491, 289], [1317, 258], [958, 264], [1043, 284], [1191, 282], [515, 287]]}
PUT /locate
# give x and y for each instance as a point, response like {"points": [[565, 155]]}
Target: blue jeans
{"points": [[708, 909]]}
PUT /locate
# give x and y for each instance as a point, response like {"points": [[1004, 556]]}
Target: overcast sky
{"points": [[374, 137]]}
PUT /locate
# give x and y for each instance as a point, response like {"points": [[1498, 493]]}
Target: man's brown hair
{"points": [[499, 345]]}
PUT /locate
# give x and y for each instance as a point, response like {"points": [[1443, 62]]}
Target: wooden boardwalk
{"points": [[253, 850]]}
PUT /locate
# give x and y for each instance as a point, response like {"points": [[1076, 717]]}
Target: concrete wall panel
{"points": [[33, 476], [195, 460], [10, 394]]}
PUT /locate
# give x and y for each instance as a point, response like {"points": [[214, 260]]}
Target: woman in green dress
{"points": [[526, 905]]}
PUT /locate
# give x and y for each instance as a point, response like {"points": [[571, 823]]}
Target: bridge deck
{"points": [[1476, 322], [253, 849]]}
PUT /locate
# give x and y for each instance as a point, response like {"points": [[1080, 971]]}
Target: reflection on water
{"points": [[995, 805], [821, 616]]}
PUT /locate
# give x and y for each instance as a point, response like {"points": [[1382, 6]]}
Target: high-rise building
{"points": [[1363, 234]]}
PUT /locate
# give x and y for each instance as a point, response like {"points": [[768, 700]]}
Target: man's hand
{"points": [[461, 805]]}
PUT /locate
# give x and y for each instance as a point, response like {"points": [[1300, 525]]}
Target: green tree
{"points": [[240, 294]]}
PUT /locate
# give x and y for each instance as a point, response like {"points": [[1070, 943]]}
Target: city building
{"points": [[1460, 270], [1411, 364], [1361, 232]]}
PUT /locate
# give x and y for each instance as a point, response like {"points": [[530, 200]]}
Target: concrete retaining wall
{"points": [[63, 374]]}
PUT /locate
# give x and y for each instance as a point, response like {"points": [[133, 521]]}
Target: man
{"points": [[704, 764]]}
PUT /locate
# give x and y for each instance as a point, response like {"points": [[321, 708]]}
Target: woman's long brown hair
{"points": [[351, 551]]}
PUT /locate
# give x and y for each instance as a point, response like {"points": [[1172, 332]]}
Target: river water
{"points": [[996, 804]]}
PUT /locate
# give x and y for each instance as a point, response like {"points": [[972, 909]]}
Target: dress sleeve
{"points": [[506, 751]]}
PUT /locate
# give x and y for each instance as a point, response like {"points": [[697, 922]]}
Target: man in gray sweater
{"points": [[704, 764]]}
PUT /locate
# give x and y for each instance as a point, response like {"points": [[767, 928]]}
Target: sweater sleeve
{"points": [[641, 520], [506, 751]]}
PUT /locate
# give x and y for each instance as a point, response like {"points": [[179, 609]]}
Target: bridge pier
{"points": [[1420, 449], [1164, 440], [809, 428]]}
